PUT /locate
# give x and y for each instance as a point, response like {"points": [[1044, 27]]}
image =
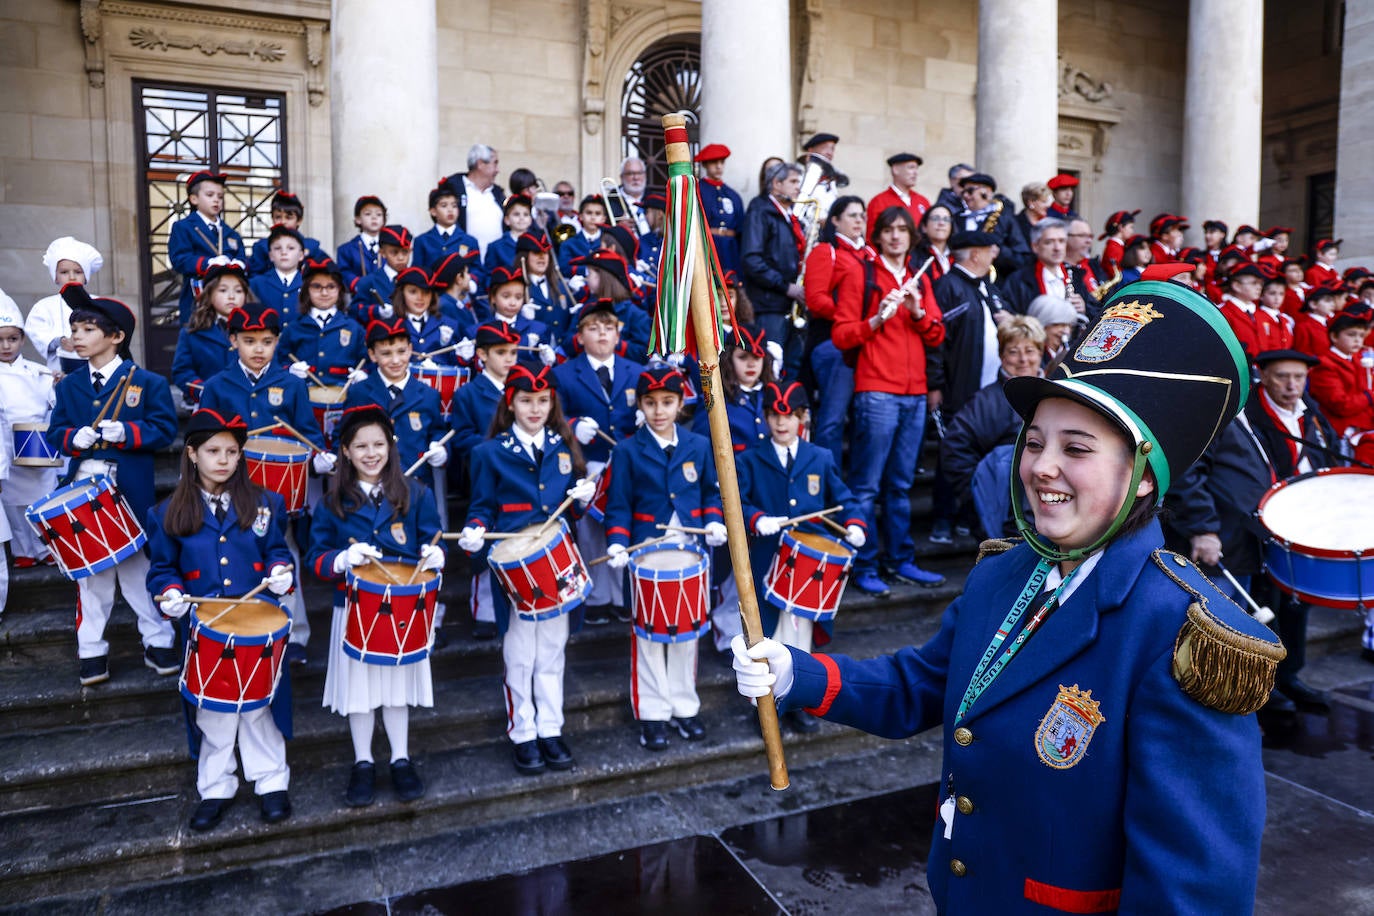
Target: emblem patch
{"points": [[445, 334], [564, 463], [813, 484], [727, 206], [629, 397], [463, 249], [1063, 736], [133, 395], [345, 335], [1119, 324], [262, 521], [689, 471], [398, 532], [275, 396], [415, 421]]}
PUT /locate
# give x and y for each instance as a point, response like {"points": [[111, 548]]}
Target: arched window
{"points": [[666, 78]]}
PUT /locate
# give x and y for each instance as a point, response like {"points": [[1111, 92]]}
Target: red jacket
{"points": [[1244, 324], [1293, 300], [1319, 273], [1162, 255], [1342, 388], [1112, 253], [888, 197], [1273, 331], [1309, 335], [823, 267], [891, 359]]}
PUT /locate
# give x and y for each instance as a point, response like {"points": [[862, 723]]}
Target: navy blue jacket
{"points": [[500, 253], [331, 351], [372, 296], [474, 407], [646, 487], [579, 246], [581, 395], [770, 257], [277, 393], [553, 307], [260, 263], [435, 333], [748, 428], [199, 355], [395, 536], [416, 413], [635, 328], [356, 261], [192, 242], [431, 248], [284, 297], [723, 209]]}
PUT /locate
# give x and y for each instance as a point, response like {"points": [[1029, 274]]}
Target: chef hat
{"points": [[70, 249], [10, 316]]}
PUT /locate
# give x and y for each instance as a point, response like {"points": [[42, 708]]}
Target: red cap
{"points": [[1062, 181], [713, 151]]}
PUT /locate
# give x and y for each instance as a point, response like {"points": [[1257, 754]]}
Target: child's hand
{"points": [[585, 430], [619, 558], [300, 369], [466, 348], [769, 525], [85, 437], [855, 536], [112, 431], [583, 490], [324, 462], [715, 534]]}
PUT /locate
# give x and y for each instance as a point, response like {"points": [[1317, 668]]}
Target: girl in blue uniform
{"points": [[528, 434], [203, 347], [416, 303], [217, 535], [744, 372], [1095, 690], [458, 295], [548, 293], [372, 511], [322, 340]]}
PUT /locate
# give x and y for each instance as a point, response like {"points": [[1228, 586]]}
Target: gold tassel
{"points": [[993, 546], [1223, 668]]}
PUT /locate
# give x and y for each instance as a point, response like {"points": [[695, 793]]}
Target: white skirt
{"points": [[352, 686]]}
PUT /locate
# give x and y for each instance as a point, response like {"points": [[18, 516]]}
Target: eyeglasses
{"points": [[937, 219], [567, 193], [324, 287]]}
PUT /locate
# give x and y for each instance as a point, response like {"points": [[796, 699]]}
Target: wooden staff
{"points": [[417, 465], [737, 536], [308, 374], [295, 432], [380, 565], [632, 548], [358, 368], [798, 519], [248, 597], [680, 528], [416, 571]]}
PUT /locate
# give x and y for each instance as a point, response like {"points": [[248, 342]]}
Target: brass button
{"points": [[791, 502], [958, 868], [963, 737], [672, 496], [223, 539], [964, 804], [541, 486], [223, 561], [227, 582]]}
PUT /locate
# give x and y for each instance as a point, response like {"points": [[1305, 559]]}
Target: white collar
{"points": [[1345, 356], [608, 362], [323, 314], [498, 382], [904, 196], [445, 232], [1284, 413], [421, 318], [529, 442], [252, 376], [287, 279], [1079, 575], [369, 488], [367, 239], [1246, 307], [387, 383], [784, 450], [108, 370], [389, 271], [970, 274], [212, 498], [856, 245], [662, 442]]}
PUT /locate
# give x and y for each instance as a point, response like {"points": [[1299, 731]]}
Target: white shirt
{"points": [[252, 376], [288, 279], [323, 315], [785, 452], [48, 322], [212, 498], [106, 371], [1054, 281], [484, 216], [26, 393], [899, 274], [608, 362], [389, 271], [529, 442], [1292, 423], [499, 383], [1080, 575], [662, 442], [1246, 307]]}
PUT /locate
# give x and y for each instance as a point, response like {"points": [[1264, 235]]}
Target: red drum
{"points": [[808, 574], [541, 571], [328, 404], [444, 379], [390, 624], [672, 591], [597, 507], [88, 527], [1321, 545], [235, 663], [279, 465]]}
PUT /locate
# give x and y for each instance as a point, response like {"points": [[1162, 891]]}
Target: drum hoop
{"points": [[56, 503], [29, 427], [381, 585], [199, 626], [333, 399], [284, 451], [556, 532], [685, 572], [804, 542], [1296, 546]]}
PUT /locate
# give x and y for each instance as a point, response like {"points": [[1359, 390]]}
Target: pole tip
{"points": [[675, 119]]}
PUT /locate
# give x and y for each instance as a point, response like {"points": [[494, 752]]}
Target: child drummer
{"points": [[26, 391], [663, 475], [218, 520], [528, 435], [790, 477], [111, 418], [372, 510], [323, 341]]}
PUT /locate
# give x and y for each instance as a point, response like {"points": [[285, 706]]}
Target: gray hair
{"points": [[627, 160], [779, 172], [1050, 310], [1045, 225], [961, 167], [963, 255], [480, 152]]}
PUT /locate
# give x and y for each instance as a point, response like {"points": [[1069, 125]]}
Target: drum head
{"points": [[326, 395], [79, 492], [1323, 512], [666, 558], [271, 445], [822, 544], [530, 542], [252, 618], [370, 573]]}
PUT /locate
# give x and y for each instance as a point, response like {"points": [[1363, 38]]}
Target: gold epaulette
{"points": [[993, 546], [1215, 663]]}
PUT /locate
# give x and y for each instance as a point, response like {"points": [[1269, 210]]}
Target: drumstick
{"points": [[264, 429], [380, 565], [562, 507], [798, 519], [295, 432], [489, 535], [357, 368], [416, 466], [441, 351], [680, 528], [527, 347], [1261, 614], [308, 374], [836, 526], [248, 597], [128, 380], [608, 437], [114, 396], [199, 599], [416, 571], [633, 547]]}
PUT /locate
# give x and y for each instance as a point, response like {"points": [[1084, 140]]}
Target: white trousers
{"points": [[24, 541], [482, 608], [608, 585], [663, 680], [95, 596], [295, 602], [4, 581], [261, 746], [534, 654], [794, 631], [725, 619]]}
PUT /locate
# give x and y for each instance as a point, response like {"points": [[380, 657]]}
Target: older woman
{"points": [[1061, 323], [1035, 205]]}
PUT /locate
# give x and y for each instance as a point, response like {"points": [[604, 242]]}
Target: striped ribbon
{"points": [[685, 236]]}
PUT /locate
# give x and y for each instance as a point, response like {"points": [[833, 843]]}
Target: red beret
{"points": [[1062, 181], [713, 151]]}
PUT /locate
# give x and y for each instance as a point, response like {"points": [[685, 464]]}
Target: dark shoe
{"points": [[597, 615], [1367, 655], [276, 807], [95, 670], [1306, 696], [528, 760], [871, 585], [362, 782], [910, 572], [209, 812], [962, 531], [405, 781], [164, 661], [295, 653], [622, 613], [802, 722], [440, 640], [942, 532], [555, 753], [484, 630], [653, 736], [689, 727]]}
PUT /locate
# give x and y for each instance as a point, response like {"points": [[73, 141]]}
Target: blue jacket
{"points": [[474, 407], [371, 296], [436, 332], [635, 328], [1160, 785], [260, 263], [431, 248], [646, 487], [284, 297], [416, 415], [379, 526], [553, 307], [252, 553], [276, 393], [356, 262], [579, 246], [723, 209], [748, 428], [150, 425], [468, 315], [191, 243], [331, 351], [199, 355], [500, 253], [581, 395]]}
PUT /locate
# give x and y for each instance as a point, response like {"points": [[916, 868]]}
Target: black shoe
{"points": [[209, 812], [440, 640], [528, 760], [1306, 696], [362, 782], [295, 653], [405, 781], [276, 807], [95, 670], [555, 753], [163, 660], [689, 727], [622, 614], [802, 722], [484, 630], [653, 736], [596, 615], [1367, 655]]}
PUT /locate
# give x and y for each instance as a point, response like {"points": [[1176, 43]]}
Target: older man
{"points": [[771, 256], [1079, 254], [1049, 274], [905, 168], [634, 181], [951, 197], [479, 196]]}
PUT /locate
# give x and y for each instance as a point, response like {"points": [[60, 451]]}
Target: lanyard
{"points": [[988, 670]]}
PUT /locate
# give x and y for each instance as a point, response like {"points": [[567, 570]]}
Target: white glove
{"points": [[466, 347], [1263, 244], [324, 462], [279, 583], [575, 284], [774, 350], [583, 490], [769, 525], [85, 437], [428, 363], [676, 360], [174, 603], [300, 369], [855, 536], [112, 431], [385, 310], [715, 534], [357, 375], [470, 539], [547, 355], [585, 430], [436, 455], [472, 285], [619, 556], [533, 339], [356, 555], [765, 668], [528, 311], [431, 557], [639, 418], [679, 537]]}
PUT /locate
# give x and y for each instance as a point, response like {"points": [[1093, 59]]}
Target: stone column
{"points": [[1017, 132], [1221, 112], [1355, 146], [746, 85], [384, 109]]}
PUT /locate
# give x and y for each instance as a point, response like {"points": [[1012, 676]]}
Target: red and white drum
{"points": [[235, 663], [88, 527], [390, 622], [279, 465], [671, 585], [808, 574], [1321, 548], [31, 448], [541, 571], [327, 402], [444, 379]]}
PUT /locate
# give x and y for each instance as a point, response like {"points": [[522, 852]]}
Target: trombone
{"points": [[618, 208], [803, 205]]}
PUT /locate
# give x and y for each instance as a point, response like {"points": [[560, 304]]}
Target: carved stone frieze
{"points": [[1078, 84], [150, 39]]}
